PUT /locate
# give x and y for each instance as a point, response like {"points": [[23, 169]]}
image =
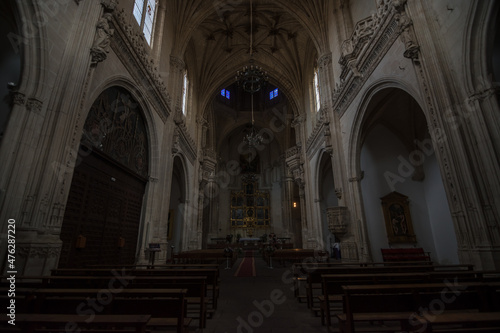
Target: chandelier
{"points": [[252, 79]]}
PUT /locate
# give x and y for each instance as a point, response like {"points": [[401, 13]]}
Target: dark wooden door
{"points": [[104, 207]]}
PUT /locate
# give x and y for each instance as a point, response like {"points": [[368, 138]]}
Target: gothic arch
{"points": [[361, 113], [481, 54], [381, 166], [105, 204], [147, 112], [31, 41], [178, 227], [325, 196]]}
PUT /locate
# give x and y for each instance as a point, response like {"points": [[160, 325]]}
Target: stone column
{"points": [[287, 203], [469, 169]]}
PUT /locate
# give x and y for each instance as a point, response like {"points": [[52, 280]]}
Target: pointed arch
{"points": [[385, 162]]}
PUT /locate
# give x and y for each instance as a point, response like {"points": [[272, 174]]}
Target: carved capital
{"points": [[338, 192], [177, 64], [34, 105], [324, 61], [18, 98], [298, 120], [399, 5]]}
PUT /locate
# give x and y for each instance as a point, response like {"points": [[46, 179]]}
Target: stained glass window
{"points": [[273, 93], [225, 93]]}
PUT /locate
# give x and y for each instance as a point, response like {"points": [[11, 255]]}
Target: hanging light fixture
{"points": [[252, 79]]}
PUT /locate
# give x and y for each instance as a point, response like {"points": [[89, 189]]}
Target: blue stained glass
{"points": [[273, 93], [225, 93]]}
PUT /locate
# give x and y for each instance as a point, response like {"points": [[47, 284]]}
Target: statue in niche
{"points": [[102, 39], [407, 36]]}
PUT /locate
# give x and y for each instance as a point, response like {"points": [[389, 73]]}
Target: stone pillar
{"points": [[469, 169], [287, 203], [38, 161]]}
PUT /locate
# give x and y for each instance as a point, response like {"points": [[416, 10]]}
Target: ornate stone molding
{"points": [[363, 51], [131, 47], [207, 166], [324, 61], [338, 220], [109, 5], [39, 251], [483, 94], [177, 64], [352, 47], [292, 152], [294, 163], [182, 142]]}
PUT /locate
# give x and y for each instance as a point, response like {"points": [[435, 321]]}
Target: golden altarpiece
{"points": [[250, 208]]}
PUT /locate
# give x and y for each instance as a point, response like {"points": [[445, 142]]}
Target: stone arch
{"points": [[325, 194], [11, 58], [147, 111], [177, 228], [386, 162], [104, 208]]}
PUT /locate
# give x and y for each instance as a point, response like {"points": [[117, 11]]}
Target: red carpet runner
{"points": [[247, 266]]}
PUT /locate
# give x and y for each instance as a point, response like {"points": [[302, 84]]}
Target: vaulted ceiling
{"points": [[214, 40]]}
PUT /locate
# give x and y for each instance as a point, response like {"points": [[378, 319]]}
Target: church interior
{"points": [[239, 134]]}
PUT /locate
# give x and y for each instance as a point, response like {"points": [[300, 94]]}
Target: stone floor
{"points": [[261, 304]]}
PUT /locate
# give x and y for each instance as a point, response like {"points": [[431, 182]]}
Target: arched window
{"points": [[184, 93], [144, 13], [316, 90]]}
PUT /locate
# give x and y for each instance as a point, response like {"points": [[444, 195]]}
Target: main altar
{"points": [[250, 209]]}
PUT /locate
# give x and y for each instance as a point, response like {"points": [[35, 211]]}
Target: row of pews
{"points": [[293, 256], [400, 297], [206, 256], [115, 299]]}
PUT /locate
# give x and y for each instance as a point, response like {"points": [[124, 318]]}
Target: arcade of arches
{"points": [[379, 125]]}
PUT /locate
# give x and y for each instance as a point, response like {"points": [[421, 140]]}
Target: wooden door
{"points": [[103, 211]]}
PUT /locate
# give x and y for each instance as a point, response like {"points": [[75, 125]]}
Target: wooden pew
{"points": [[212, 275], [332, 287], [195, 286], [31, 322], [406, 304], [405, 254], [204, 256], [296, 255], [332, 283], [301, 270], [156, 266], [314, 280], [166, 306]]}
